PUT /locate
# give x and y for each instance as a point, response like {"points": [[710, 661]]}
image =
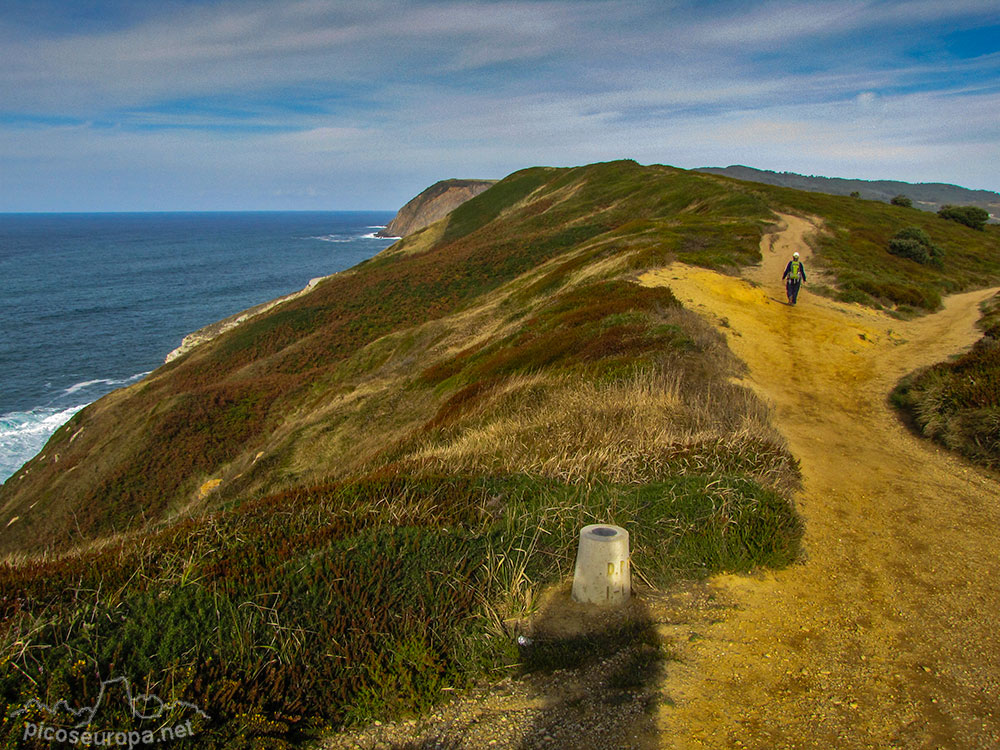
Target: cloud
{"points": [[260, 99], [790, 22], [255, 47]]}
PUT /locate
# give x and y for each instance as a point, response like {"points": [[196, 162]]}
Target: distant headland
{"points": [[434, 203]]}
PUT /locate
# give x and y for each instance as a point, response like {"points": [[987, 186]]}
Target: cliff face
{"points": [[436, 202]]}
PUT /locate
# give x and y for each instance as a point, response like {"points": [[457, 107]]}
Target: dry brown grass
{"points": [[641, 429], [681, 415]]}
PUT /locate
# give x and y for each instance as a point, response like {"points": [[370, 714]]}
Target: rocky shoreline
{"points": [[213, 330], [432, 204]]}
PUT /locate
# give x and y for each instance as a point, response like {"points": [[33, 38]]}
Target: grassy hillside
{"points": [[271, 404], [341, 508]]}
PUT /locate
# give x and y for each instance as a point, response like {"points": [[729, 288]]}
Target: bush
{"points": [[911, 249], [957, 403], [902, 200], [914, 243], [971, 216]]}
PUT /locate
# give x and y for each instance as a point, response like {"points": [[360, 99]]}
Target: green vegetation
{"points": [[901, 200], [154, 446], [957, 403], [970, 216], [346, 602], [853, 248], [915, 244], [398, 462]]}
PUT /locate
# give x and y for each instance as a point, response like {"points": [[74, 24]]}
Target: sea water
{"points": [[93, 302]]}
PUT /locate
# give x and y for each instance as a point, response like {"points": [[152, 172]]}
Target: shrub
{"points": [[901, 200], [914, 243], [957, 403], [971, 216], [910, 249]]}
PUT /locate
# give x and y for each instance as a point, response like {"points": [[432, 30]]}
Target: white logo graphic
{"points": [[142, 707]]}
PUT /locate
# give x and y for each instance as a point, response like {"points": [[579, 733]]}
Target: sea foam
{"points": [[87, 383], [24, 433], [352, 238], [333, 238]]}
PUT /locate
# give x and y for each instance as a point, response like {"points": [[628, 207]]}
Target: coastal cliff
{"points": [[434, 203], [354, 374]]}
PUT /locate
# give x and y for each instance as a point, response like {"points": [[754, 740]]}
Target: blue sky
{"points": [[318, 104]]}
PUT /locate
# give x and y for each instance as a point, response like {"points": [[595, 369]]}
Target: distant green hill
{"points": [[334, 511], [929, 196]]}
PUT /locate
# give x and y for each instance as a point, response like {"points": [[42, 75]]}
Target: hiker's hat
{"points": [[795, 255]]}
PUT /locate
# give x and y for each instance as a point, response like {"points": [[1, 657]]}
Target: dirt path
{"points": [[888, 634]]}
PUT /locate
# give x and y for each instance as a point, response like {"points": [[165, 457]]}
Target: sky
{"points": [[149, 105]]}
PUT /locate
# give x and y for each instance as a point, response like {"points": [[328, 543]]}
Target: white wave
{"points": [[342, 238], [24, 433], [105, 381], [85, 384], [333, 238]]}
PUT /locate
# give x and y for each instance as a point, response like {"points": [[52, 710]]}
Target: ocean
{"points": [[93, 302]]}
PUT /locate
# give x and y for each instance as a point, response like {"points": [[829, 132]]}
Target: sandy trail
{"points": [[887, 635]]}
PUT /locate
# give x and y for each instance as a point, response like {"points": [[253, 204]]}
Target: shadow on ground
{"points": [[607, 667], [590, 678]]}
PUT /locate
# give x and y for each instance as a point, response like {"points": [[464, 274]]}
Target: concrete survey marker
{"points": [[602, 574]]}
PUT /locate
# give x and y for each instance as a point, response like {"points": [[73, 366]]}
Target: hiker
{"points": [[795, 275]]}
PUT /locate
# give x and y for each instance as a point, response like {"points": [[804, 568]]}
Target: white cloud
{"points": [[785, 22], [273, 100], [233, 48]]}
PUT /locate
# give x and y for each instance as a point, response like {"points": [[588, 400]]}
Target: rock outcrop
{"points": [[434, 203]]}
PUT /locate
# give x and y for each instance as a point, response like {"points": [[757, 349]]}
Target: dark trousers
{"points": [[792, 289]]}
